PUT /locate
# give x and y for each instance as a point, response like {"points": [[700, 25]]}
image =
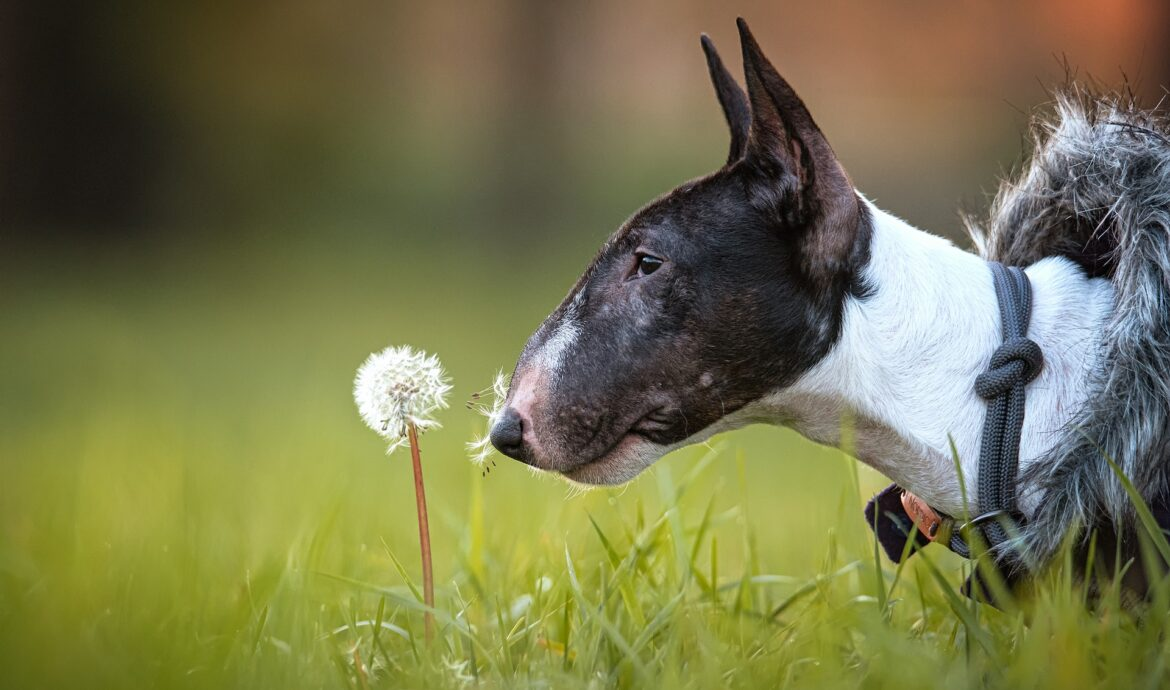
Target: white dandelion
{"points": [[399, 387], [397, 391], [480, 449]]}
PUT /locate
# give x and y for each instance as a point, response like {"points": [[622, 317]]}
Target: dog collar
{"points": [[901, 520]]}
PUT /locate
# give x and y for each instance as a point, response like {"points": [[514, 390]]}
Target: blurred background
{"points": [[210, 212]]}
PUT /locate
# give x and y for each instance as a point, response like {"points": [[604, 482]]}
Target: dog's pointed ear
{"points": [[797, 178], [731, 98]]}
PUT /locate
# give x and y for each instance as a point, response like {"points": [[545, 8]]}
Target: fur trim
{"points": [[1097, 190]]}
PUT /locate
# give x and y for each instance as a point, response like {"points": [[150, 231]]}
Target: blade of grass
{"points": [[621, 575], [966, 616], [412, 604], [260, 629], [1149, 522], [702, 530], [607, 627], [568, 623], [660, 619], [812, 586], [402, 572]]}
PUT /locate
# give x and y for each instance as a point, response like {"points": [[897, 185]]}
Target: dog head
{"points": [[705, 301]]}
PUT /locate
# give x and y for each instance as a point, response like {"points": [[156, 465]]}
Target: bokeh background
{"points": [[210, 212]]}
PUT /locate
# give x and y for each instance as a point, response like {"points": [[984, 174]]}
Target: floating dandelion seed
{"points": [[481, 450], [398, 387], [396, 391]]}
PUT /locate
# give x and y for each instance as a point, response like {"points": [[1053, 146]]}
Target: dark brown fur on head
{"points": [[705, 301]]}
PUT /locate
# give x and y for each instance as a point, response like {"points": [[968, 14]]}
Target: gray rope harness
{"points": [[1013, 365]]}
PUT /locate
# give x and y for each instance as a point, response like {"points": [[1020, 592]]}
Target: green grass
{"points": [[189, 500]]}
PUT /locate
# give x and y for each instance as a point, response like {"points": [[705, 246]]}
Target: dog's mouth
{"points": [[632, 452]]}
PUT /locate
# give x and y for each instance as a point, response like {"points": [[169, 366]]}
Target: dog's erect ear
{"points": [[731, 99], [798, 178]]}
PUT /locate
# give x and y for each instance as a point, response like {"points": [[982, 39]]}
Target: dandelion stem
{"points": [[360, 667], [424, 532]]}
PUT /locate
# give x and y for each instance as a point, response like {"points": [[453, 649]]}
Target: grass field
{"points": [[190, 500]]}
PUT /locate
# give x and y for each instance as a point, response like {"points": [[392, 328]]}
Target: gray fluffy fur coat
{"points": [[1097, 190]]}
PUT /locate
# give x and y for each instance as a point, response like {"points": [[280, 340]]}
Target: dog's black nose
{"points": [[508, 435]]}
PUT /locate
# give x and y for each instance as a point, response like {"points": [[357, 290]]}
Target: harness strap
{"points": [[1016, 363]]}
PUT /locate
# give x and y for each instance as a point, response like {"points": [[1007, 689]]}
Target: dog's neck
{"points": [[902, 374]]}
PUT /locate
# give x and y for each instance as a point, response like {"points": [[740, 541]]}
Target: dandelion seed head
{"points": [[397, 387], [481, 449]]}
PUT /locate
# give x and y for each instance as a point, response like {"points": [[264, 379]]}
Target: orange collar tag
{"points": [[923, 515]]}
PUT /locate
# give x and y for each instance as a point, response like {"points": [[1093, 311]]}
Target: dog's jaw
{"points": [[633, 454]]}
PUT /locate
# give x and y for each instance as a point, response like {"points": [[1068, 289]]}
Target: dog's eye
{"points": [[648, 264]]}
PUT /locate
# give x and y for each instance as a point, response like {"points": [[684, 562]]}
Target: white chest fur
{"points": [[905, 366]]}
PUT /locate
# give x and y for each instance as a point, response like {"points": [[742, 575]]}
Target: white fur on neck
{"points": [[905, 365]]}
